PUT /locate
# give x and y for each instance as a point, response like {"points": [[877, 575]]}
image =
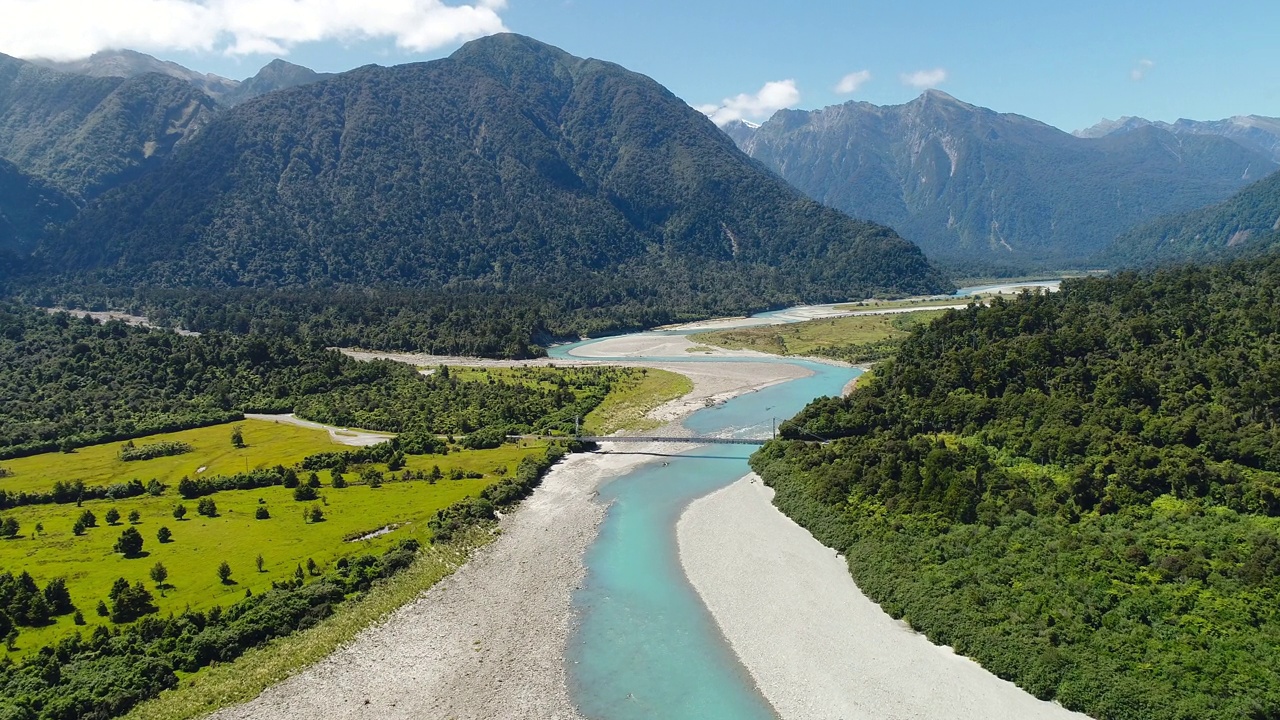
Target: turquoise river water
{"points": [[645, 645]]}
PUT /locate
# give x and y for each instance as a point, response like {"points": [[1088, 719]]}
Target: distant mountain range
{"points": [[986, 191], [1252, 131], [1247, 223], [510, 164]]}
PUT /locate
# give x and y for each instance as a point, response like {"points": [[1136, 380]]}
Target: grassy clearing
{"points": [[871, 305], [855, 339], [630, 401], [250, 674], [285, 541], [268, 444]]}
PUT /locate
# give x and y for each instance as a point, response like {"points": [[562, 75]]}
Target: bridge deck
{"points": [[696, 440]]}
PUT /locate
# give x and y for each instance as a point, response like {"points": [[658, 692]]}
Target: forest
{"points": [[1080, 490]]}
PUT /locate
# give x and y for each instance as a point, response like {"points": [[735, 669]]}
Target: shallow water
{"points": [[645, 645]]}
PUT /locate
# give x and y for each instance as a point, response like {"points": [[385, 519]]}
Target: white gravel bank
{"points": [[816, 646]]}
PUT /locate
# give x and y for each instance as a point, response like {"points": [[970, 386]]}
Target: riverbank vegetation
{"points": [[1079, 490], [854, 339]]}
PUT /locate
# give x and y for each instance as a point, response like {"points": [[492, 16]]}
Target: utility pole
{"points": [[775, 428]]}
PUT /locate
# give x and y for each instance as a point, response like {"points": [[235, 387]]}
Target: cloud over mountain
{"points": [[73, 29], [771, 98]]}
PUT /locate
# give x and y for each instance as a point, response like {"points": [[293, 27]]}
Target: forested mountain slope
{"points": [[975, 188], [1079, 490], [89, 134], [1249, 222], [28, 205], [511, 164]]}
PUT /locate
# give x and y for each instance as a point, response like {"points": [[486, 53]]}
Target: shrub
{"points": [[315, 515], [134, 517], [163, 535], [9, 528], [262, 513], [113, 516], [224, 573], [129, 452], [179, 511], [304, 493], [130, 542], [207, 507]]}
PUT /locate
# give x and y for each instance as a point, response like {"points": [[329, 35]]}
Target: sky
{"points": [[1069, 64]]}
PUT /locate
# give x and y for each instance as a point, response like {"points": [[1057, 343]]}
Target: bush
{"points": [[130, 543], [129, 452], [224, 573], [304, 493], [207, 507], [113, 516], [262, 513]]}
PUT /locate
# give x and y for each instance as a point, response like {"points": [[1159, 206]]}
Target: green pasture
{"points": [[199, 544], [629, 402], [268, 444], [828, 336]]}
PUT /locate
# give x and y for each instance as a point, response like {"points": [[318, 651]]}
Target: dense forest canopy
{"points": [[1080, 490]]}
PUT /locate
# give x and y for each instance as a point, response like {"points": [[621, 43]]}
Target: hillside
{"points": [[1080, 490], [1249, 222], [130, 63], [28, 206], [978, 189], [511, 166], [89, 134]]}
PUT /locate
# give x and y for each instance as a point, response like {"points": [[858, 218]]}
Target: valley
{"points": [[466, 376]]}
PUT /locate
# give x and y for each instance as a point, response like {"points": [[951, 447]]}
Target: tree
{"points": [[39, 530], [134, 517], [9, 528], [78, 618], [159, 573], [78, 528], [312, 568], [90, 520], [102, 609], [259, 562], [224, 573], [313, 480], [58, 596], [237, 437], [303, 493], [316, 514], [130, 542], [339, 481], [436, 474], [113, 516], [262, 513], [163, 535], [207, 507], [179, 511], [155, 488]]}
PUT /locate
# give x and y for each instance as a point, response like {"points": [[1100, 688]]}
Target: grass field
{"points": [[268, 444], [226, 684], [199, 544], [867, 305], [626, 406], [840, 338]]}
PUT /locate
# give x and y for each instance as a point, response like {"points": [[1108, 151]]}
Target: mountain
{"points": [[983, 189], [1255, 132], [511, 164], [1248, 222], [130, 63], [28, 205], [276, 75], [88, 134]]}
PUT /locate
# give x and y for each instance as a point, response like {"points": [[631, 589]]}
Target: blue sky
{"points": [[1067, 63]]}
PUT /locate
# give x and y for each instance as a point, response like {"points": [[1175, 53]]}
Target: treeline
{"points": [[504, 493], [404, 400], [70, 382], [1079, 490], [76, 491]]}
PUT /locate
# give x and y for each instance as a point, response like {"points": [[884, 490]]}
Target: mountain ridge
{"points": [[978, 188], [544, 169]]}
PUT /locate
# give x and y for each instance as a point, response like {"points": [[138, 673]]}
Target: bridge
{"points": [[694, 440]]}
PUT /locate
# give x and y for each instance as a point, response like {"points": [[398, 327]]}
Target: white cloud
{"points": [[1140, 72], [925, 79], [853, 81], [771, 98], [72, 29]]}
